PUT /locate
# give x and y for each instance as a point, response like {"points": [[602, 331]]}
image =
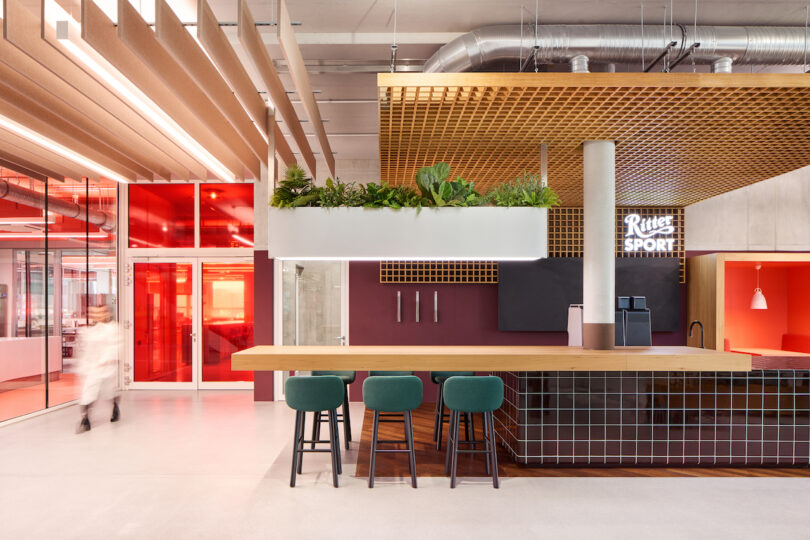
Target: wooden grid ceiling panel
{"points": [[680, 138], [438, 272]]}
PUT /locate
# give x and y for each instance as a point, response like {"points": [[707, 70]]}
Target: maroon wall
{"points": [[468, 315], [263, 320]]}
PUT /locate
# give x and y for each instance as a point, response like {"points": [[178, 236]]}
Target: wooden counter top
{"points": [[485, 358]]}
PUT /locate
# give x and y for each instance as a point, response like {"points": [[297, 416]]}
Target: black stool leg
{"points": [[301, 435], [373, 449], [333, 420], [493, 448], [296, 443], [467, 418], [487, 436], [454, 459], [347, 420], [334, 446], [316, 427], [436, 425], [411, 451], [448, 455], [440, 424]]}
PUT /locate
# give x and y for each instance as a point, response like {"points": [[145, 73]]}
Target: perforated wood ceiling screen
{"points": [[438, 272], [680, 138]]}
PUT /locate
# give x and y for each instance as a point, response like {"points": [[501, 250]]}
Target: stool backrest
{"points": [[473, 394], [398, 393], [324, 393]]}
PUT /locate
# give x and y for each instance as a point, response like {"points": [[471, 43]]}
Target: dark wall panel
{"points": [[534, 296]]}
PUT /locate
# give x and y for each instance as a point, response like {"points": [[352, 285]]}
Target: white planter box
{"points": [[477, 233]]}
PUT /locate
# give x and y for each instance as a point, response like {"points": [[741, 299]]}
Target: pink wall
{"points": [[263, 320], [798, 280]]}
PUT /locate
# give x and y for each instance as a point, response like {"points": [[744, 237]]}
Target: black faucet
{"points": [[692, 325]]}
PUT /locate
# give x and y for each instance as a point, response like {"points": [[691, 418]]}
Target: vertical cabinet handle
{"points": [[417, 306], [435, 306], [399, 306]]}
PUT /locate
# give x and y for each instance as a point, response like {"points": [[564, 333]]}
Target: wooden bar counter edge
{"points": [[485, 358]]}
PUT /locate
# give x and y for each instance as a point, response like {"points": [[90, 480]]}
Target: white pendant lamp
{"points": [[758, 300]]}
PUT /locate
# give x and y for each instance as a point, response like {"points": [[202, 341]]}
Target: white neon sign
{"points": [[646, 233]]}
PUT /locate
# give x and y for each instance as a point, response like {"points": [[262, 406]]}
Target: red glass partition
{"points": [[227, 311], [226, 215], [162, 330], [161, 216]]}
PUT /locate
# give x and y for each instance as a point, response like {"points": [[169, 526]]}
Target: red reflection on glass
{"points": [[161, 216], [226, 215], [163, 325], [227, 326]]}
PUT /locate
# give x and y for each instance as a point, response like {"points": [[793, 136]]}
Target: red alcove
{"points": [[786, 286]]}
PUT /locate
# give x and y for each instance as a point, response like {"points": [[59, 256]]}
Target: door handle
{"points": [[342, 339]]}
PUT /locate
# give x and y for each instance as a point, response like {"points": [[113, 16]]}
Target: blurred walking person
{"points": [[98, 347]]}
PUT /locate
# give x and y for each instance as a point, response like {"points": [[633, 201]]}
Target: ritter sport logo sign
{"points": [[650, 234]]}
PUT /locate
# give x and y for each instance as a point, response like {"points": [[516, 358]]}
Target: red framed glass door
{"points": [[188, 316]]}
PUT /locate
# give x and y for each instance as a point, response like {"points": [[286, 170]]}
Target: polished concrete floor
{"points": [[216, 465]]}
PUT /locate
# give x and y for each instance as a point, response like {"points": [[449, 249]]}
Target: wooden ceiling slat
{"points": [[680, 138], [136, 35], [26, 168], [100, 34], [24, 149], [283, 150], [257, 51], [176, 39], [39, 57], [300, 77]]}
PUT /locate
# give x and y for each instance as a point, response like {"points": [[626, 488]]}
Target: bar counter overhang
{"points": [[632, 406]]}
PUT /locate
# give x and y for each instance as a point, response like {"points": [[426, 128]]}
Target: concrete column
{"points": [[599, 278]]}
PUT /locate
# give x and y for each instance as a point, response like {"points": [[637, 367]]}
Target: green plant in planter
{"points": [[296, 189], [384, 196], [526, 190], [337, 193], [433, 184]]}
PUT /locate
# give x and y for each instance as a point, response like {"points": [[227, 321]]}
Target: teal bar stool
{"points": [[393, 394], [348, 378], [472, 395], [315, 394], [438, 377]]}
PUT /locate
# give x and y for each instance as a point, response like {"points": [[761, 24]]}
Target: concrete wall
{"points": [[773, 215]]}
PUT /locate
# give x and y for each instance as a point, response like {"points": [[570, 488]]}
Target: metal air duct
{"points": [[613, 43], [35, 199]]}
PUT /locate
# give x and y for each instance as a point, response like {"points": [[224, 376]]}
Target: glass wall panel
{"points": [[23, 371], [162, 329], [161, 216], [226, 215], [227, 325]]}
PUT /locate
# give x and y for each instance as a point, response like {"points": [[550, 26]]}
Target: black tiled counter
{"points": [[656, 418]]}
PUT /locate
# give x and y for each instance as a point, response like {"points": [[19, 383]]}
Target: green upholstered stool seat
{"points": [[389, 373], [393, 394], [473, 394], [314, 393], [441, 376], [396, 393], [468, 396], [346, 376]]}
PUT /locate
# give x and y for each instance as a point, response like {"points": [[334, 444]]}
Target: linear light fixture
{"points": [[26, 236], [56, 17], [243, 240], [56, 148]]}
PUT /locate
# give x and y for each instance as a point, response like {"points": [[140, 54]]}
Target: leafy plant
{"points": [[433, 184], [337, 193], [384, 196], [526, 190], [296, 189]]}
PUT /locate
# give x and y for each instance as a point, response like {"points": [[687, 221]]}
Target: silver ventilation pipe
{"points": [[615, 43], [35, 199], [579, 64]]}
